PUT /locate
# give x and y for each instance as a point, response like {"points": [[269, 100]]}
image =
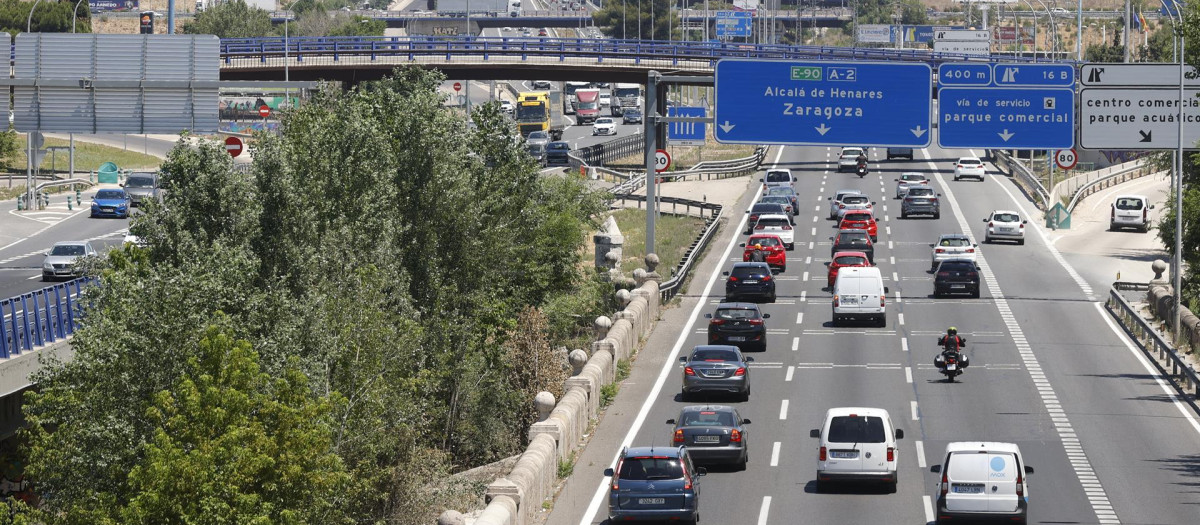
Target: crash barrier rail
{"points": [[41, 317], [1115, 175], [708, 170], [616, 149], [1152, 344], [1025, 177], [710, 212]]}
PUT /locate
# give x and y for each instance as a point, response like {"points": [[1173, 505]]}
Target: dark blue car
{"points": [[111, 203], [654, 484]]}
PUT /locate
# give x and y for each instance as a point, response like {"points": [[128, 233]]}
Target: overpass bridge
{"points": [[578, 17], [357, 59]]}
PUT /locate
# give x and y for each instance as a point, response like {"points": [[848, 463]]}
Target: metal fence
{"points": [[40, 317], [1155, 347], [1098, 180], [606, 152], [710, 212], [1024, 177]]}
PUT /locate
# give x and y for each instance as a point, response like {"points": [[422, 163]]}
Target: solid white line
{"points": [[913, 405], [928, 509], [795, 343], [908, 374], [783, 405], [920, 455], [791, 370], [667, 369], [775, 454]]}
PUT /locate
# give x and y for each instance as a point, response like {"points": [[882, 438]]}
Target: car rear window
{"points": [[969, 162], [707, 418], [736, 313], [778, 176], [957, 267], [781, 190], [851, 152], [855, 199], [1129, 204], [858, 429], [765, 241], [850, 260], [714, 354], [920, 192], [766, 207], [852, 238], [773, 223], [1006, 217], [650, 468], [777, 200], [110, 194], [856, 217], [955, 241], [749, 272]]}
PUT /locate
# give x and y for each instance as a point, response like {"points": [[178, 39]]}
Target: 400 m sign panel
{"points": [[823, 103]]}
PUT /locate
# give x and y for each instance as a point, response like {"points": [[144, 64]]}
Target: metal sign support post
{"points": [[29, 171], [1179, 179]]}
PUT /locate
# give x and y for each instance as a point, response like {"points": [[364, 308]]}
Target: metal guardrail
{"points": [[708, 170], [670, 288], [1107, 180], [616, 149], [41, 317], [1154, 346], [1024, 176]]}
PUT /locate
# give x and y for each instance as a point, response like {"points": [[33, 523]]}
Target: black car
{"points": [[631, 116], [899, 153], [764, 208], [956, 276], [556, 153], [751, 280], [738, 324], [854, 241]]}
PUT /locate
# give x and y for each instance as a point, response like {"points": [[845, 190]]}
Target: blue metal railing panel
{"points": [[41, 317]]}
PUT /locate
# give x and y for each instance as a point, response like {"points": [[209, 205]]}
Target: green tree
{"points": [[8, 149], [231, 19], [913, 12], [48, 17], [620, 19]]}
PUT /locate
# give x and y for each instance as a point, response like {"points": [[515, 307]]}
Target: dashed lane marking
{"points": [[783, 407], [775, 454]]}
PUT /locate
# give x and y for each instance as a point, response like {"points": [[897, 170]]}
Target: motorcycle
{"points": [[758, 256], [862, 171], [951, 361]]}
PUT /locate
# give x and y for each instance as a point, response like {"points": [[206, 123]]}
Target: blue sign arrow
{"points": [[1034, 75], [1041, 118], [823, 103], [964, 74], [686, 131]]}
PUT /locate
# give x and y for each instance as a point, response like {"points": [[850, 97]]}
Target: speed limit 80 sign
{"points": [[1066, 158], [662, 161]]}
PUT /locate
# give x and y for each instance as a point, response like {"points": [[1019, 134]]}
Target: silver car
{"points": [[836, 200], [60, 260], [920, 201], [716, 368], [538, 137], [712, 433], [908, 181], [141, 186]]}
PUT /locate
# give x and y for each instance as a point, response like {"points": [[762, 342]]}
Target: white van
{"points": [[859, 293], [857, 444], [981, 481], [1130, 211], [778, 177]]}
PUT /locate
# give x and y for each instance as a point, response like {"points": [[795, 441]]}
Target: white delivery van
{"points": [[982, 481], [857, 444], [1130, 211], [859, 293]]}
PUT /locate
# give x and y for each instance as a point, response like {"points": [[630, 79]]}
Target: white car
{"points": [[982, 481], [1130, 211], [836, 200], [857, 444], [779, 225], [848, 159], [952, 246], [969, 167], [1005, 225], [604, 126], [507, 106], [910, 180], [853, 203], [605, 98]]}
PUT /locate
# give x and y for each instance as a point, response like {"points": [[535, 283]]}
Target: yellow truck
{"points": [[538, 111]]}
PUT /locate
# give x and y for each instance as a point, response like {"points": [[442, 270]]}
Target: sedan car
{"points": [[111, 203], [537, 151], [538, 84], [860, 220], [846, 260], [60, 260], [952, 246], [921, 201], [853, 241], [763, 208], [141, 186], [836, 200], [908, 181], [855, 203], [631, 116], [777, 224], [1005, 225], [848, 159], [507, 107], [538, 137], [738, 324], [604, 126], [556, 153], [712, 434], [969, 167], [956, 276], [716, 368], [784, 191], [772, 245], [750, 280]]}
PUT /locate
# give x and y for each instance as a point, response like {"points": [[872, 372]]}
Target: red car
{"points": [[846, 260], [860, 220], [772, 244]]}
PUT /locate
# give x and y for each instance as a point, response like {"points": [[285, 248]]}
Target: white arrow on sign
{"points": [[1006, 135], [727, 126], [918, 131], [822, 129]]}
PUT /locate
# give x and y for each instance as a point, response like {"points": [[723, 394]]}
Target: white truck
{"points": [[569, 89], [625, 96]]}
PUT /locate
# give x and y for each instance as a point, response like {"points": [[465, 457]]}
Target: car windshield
{"points": [[777, 202], [110, 194], [778, 176], [850, 260], [714, 354], [650, 468], [773, 223], [539, 135], [604, 121], [736, 313], [763, 241], [559, 146], [587, 105], [68, 250], [852, 238], [858, 429], [139, 182], [855, 199], [920, 192], [955, 241], [624, 92], [536, 148], [1129, 204], [633, 112], [1009, 217], [707, 418], [749, 272]]}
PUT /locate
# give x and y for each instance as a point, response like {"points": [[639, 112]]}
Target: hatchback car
{"points": [[836, 200], [857, 444], [951, 246], [921, 201], [956, 276], [654, 483], [537, 151], [772, 247], [782, 200], [777, 224], [1130, 211], [982, 481], [785, 191], [763, 208], [604, 126], [508, 107], [557, 153], [848, 159], [855, 202], [543, 32], [538, 84], [111, 203], [907, 181], [846, 260], [716, 368], [750, 280], [853, 241], [631, 116], [969, 167], [712, 434], [860, 220], [141, 186], [738, 324], [60, 261], [1005, 225]]}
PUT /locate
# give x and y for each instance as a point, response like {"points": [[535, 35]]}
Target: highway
{"points": [[1048, 372]]}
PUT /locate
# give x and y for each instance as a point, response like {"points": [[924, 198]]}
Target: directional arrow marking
{"points": [[1146, 136], [727, 126], [1006, 135], [918, 131], [822, 129]]}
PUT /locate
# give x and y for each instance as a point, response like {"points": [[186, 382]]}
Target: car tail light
{"points": [[717, 322], [870, 205], [756, 321], [1112, 213], [1020, 485], [786, 227], [679, 437], [908, 199], [687, 480], [1022, 226], [766, 278], [842, 206], [891, 454], [617, 473], [943, 274], [822, 455], [959, 166], [939, 250], [882, 300], [835, 301], [990, 224], [972, 274], [741, 371], [970, 250], [735, 436], [789, 209], [945, 483], [687, 370], [733, 279]]}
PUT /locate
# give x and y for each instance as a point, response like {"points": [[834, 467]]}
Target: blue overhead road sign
{"points": [[964, 74], [733, 23], [1034, 75], [823, 103], [1011, 118], [686, 132]]}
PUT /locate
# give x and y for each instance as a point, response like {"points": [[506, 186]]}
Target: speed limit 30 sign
{"points": [[1066, 159], [662, 161]]}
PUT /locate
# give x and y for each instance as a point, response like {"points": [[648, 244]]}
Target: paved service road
{"points": [[1048, 372]]}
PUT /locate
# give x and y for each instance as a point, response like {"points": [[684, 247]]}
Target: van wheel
{"points": [[821, 486], [903, 215], [1020, 242], [882, 321], [937, 215]]}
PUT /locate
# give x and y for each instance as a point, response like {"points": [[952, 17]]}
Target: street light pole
{"points": [[1179, 177], [29, 21]]}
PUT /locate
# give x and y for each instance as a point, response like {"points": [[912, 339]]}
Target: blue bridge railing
{"points": [[40, 317]]}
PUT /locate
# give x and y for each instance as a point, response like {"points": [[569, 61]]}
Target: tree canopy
{"points": [[231, 19], [620, 19], [48, 17]]}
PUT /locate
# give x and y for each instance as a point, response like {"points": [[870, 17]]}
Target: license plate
{"points": [[750, 282], [708, 439], [958, 286], [968, 490], [843, 455], [951, 366], [850, 300], [737, 338], [651, 501]]}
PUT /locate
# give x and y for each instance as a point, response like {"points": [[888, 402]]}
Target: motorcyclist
{"points": [[758, 255], [952, 341], [862, 161]]}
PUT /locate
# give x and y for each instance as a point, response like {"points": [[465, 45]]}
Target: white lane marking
{"points": [[775, 454], [38, 276], [795, 343], [928, 509], [896, 276], [783, 405], [904, 344], [667, 369], [802, 294], [913, 405], [900, 318], [808, 260], [810, 245], [814, 230], [920, 455], [892, 260], [908, 374], [762, 512], [799, 317], [805, 277], [897, 296], [791, 370], [890, 247]]}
